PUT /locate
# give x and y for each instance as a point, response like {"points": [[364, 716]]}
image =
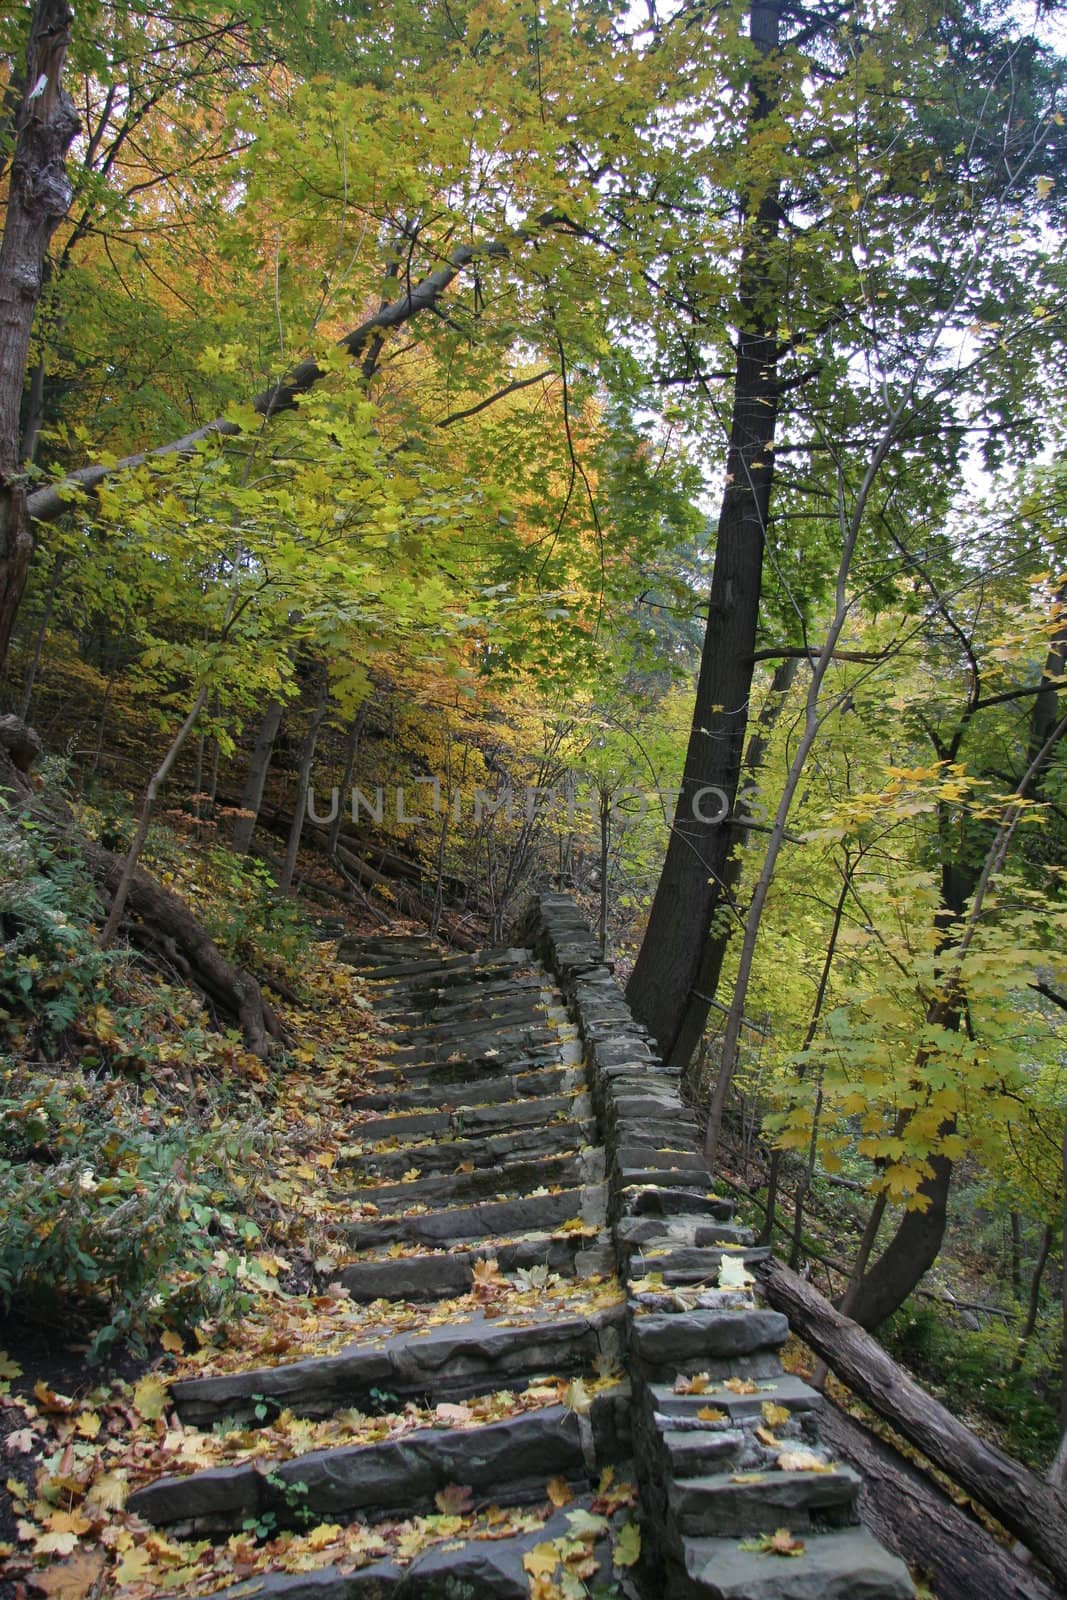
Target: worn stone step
{"points": [[493, 1220], [445, 1275], [737, 1505], [447, 1155], [502, 1045], [479, 990], [693, 1341], [847, 1564], [695, 1452], [688, 1265], [495, 1116], [784, 1390], [428, 972], [455, 1032], [509, 1178], [513, 1458], [663, 1201], [443, 1074], [644, 1233], [487, 1568], [437, 1097], [438, 1363]]}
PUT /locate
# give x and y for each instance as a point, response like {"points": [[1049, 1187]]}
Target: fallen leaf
{"points": [[70, 1580], [149, 1397], [172, 1342], [542, 1560], [697, 1384], [559, 1492], [741, 1386], [775, 1416], [711, 1414], [627, 1549], [802, 1461], [455, 1499]]}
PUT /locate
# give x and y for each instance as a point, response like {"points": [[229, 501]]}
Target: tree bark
{"points": [[38, 196], [303, 779], [1027, 1506], [666, 974], [913, 1516], [1034, 1302], [259, 764]]}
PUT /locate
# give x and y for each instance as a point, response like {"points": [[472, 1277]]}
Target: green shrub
{"points": [[107, 1201], [972, 1370]]}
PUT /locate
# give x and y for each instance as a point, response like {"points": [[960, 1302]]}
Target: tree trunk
{"points": [[1034, 1303], [351, 749], [666, 973], [303, 779], [252, 794], [913, 1516], [1028, 1507], [39, 193], [124, 883], [161, 924], [724, 927]]}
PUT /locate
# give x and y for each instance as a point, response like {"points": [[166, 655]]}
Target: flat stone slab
{"points": [[729, 1505], [844, 1565], [505, 1114], [784, 1390], [397, 1475], [493, 1220], [443, 1276], [538, 1083], [460, 1358], [692, 1266], [667, 1338], [491, 1182], [488, 1150]]}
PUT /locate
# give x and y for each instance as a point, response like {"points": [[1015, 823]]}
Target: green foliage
{"points": [[118, 1202], [972, 1372]]}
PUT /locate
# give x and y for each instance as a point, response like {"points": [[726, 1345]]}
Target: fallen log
{"points": [[1027, 1506], [913, 1516]]}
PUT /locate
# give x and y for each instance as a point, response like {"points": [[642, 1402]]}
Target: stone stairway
{"points": [[521, 1139]]}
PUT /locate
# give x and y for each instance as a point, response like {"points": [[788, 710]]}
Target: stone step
{"points": [[784, 1390], [471, 1568], [475, 1091], [688, 1265], [495, 1116], [485, 1183], [396, 1477], [663, 1201], [696, 1341], [442, 1074], [479, 990], [844, 1565], [438, 1363], [644, 1233], [694, 1452], [444, 1275], [439, 971], [502, 1045], [737, 1505], [455, 1033], [493, 1220], [447, 1155]]}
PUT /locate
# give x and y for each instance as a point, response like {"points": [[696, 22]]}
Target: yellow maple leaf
{"points": [[559, 1491], [775, 1416], [149, 1397], [542, 1560]]}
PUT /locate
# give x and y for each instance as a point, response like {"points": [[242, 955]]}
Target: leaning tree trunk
{"points": [[38, 196], [664, 989], [1028, 1507]]}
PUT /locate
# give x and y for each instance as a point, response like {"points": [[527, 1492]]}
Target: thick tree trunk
{"points": [[1027, 1506], [724, 927], [913, 1516], [259, 763], [663, 985], [39, 193]]}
